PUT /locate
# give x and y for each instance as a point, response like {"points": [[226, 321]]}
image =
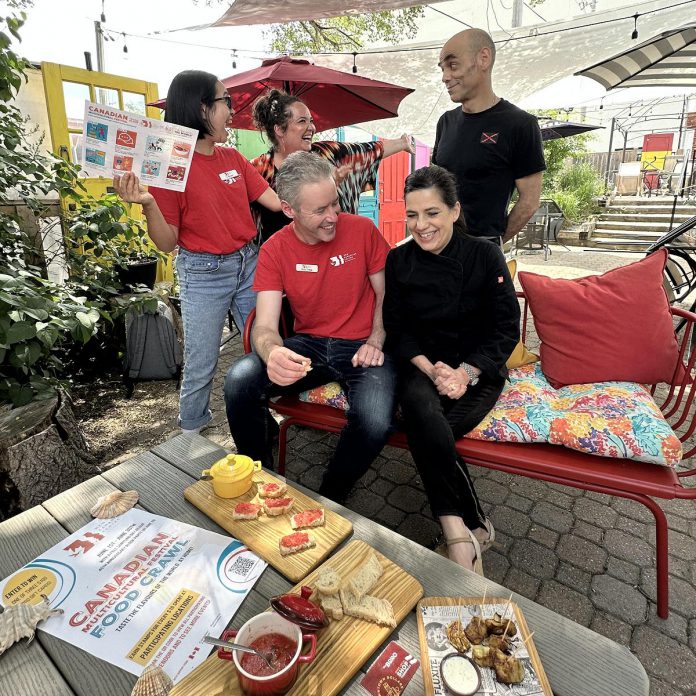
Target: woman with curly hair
{"points": [[289, 126]]}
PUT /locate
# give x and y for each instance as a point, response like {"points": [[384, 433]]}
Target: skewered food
{"points": [[476, 630], [457, 637], [498, 625], [482, 655], [498, 643], [508, 669]]}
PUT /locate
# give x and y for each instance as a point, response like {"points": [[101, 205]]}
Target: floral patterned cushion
{"points": [[609, 419]]}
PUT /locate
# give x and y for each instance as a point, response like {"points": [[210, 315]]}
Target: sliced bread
{"points": [[331, 604], [277, 506], [328, 582], [246, 511], [307, 519], [295, 542], [368, 608], [365, 577], [272, 490]]}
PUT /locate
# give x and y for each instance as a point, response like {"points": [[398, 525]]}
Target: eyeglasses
{"points": [[227, 99]]}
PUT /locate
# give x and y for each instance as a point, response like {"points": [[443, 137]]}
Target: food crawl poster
{"points": [[115, 142], [138, 588]]}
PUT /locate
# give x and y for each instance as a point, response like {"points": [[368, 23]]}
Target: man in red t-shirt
{"points": [[330, 265]]}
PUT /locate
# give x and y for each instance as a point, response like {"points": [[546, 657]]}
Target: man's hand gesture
{"points": [[285, 367]]}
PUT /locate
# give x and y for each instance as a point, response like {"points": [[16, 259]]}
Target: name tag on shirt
{"points": [[307, 268], [230, 176]]}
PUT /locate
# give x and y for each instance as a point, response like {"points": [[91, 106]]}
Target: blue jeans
{"points": [[210, 286], [370, 394]]}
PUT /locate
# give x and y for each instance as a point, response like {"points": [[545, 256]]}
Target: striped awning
{"points": [[667, 60]]}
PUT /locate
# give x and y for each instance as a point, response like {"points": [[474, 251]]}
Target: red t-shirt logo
{"points": [[489, 138]]}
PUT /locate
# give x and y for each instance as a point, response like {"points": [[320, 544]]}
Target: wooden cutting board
{"points": [[432, 651], [263, 534], [343, 646]]}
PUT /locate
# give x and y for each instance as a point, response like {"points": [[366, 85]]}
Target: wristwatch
{"points": [[473, 377]]}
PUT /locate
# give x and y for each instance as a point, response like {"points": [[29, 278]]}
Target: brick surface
{"points": [[628, 547], [682, 594], [557, 518], [573, 577], [570, 603], [595, 513], [534, 558], [623, 570], [682, 546], [491, 491], [636, 529], [523, 583], [619, 598], [611, 627], [510, 522], [664, 657], [544, 536], [589, 532], [598, 570], [582, 553], [519, 502]]}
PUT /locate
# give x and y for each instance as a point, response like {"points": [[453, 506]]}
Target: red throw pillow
{"points": [[612, 327]]}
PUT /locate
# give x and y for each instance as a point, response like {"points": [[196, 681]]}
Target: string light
{"points": [[634, 35], [355, 67], [125, 47], [234, 60], [103, 16]]}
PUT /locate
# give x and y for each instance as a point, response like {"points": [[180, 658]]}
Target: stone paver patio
{"points": [[587, 556]]}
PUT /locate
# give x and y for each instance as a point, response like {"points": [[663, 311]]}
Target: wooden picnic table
{"points": [[578, 661]]}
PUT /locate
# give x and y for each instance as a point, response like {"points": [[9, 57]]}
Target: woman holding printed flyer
{"points": [[211, 224]]}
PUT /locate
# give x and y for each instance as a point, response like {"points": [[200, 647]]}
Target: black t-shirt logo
{"points": [[489, 138]]}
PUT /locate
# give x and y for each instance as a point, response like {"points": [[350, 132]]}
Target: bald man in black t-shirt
{"points": [[489, 144]]}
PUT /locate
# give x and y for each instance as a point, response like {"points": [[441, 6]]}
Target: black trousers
{"points": [[433, 423]]}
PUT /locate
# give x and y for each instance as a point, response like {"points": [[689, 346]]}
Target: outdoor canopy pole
{"points": [[611, 142]]}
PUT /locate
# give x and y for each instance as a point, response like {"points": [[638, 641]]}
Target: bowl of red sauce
{"points": [[281, 642]]}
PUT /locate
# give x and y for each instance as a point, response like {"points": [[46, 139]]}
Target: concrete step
{"points": [[646, 200], [649, 237], [628, 225], [617, 244], [633, 216], [689, 210]]}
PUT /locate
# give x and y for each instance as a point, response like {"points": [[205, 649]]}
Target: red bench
{"points": [[624, 478]]}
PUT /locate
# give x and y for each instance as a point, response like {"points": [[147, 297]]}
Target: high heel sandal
{"points": [[487, 543], [471, 539]]}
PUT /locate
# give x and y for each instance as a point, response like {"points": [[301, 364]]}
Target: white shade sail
{"points": [[528, 59], [243, 12]]}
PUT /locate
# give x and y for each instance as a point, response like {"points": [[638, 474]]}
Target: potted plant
{"points": [[104, 230]]}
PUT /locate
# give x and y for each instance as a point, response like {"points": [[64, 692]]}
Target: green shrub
{"points": [[44, 326], [576, 190]]}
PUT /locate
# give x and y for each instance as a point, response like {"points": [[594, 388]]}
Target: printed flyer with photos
{"points": [[139, 588], [116, 142]]}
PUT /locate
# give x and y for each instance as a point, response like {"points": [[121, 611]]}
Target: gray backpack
{"points": [[153, 350]]}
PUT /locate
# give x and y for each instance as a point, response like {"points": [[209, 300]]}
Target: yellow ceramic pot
{"points": [[232, 474]]}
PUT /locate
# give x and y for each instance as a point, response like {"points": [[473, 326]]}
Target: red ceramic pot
{"points": [[263, 624]]}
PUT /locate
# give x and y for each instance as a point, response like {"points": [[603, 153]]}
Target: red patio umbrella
{"points": [[335, 98]]}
